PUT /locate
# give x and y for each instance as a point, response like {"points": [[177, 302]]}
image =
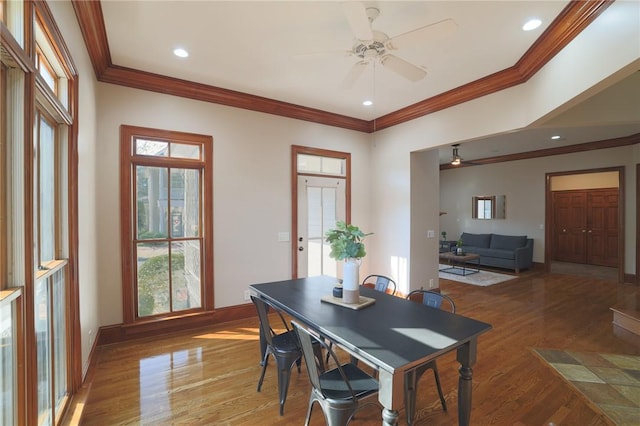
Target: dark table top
{"points": [[394, 334]]}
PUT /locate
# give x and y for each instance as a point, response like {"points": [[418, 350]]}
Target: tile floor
{"points": [[611, 382]]}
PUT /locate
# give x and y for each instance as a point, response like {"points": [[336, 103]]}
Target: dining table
{"points": [[391, 334]]}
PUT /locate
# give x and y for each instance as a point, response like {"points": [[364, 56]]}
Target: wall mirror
{"points": [[488, 207]]}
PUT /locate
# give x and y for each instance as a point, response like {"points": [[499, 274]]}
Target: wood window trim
{"points": [[295, 151], [127, 133]]}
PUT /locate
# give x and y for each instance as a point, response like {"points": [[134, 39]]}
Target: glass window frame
{"points": [[129, 160]]}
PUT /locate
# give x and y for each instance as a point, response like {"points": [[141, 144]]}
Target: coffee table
{"points": [[459, 263]]}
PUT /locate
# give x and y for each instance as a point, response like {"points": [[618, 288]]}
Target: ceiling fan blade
{"points": [[354, 73], [423, 34], [358, 20], [402, 67]]}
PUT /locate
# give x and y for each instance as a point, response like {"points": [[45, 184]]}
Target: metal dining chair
{"points": [[341, 391], [284, 348], [381, 283], [434, 300]]}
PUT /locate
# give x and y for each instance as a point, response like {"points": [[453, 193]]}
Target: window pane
{"points": [[153, 148], [182, 150], [185, 275], [185, 203], [8, 396], [192, 207], [177, 201], [46, 157], [45, 71], [333, 166], [153, 278], [43, 351], [309, 163], [314, 213], [60, 337], [152, 202]]}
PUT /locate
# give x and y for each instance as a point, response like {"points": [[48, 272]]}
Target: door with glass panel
{"points": [[321, 202]]}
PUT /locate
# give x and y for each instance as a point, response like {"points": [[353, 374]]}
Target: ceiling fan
{"points": [[372, 45], [457, 160]]}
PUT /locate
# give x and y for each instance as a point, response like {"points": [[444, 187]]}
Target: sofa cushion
{"points": [[495, 253], [475, 240], [507, 242]]}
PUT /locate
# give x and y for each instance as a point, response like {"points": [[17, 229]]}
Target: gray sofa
{"points": [[502, 251]]}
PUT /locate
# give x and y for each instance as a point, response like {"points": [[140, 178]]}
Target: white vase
{"points": [[351, 281]]}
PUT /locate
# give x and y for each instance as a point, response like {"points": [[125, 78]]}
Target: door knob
{"points": [[300, 248], [584, 230]]}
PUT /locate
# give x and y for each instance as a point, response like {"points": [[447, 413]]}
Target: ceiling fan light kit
{"points": [[455, 158]]}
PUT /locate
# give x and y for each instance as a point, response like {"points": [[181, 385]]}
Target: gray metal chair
{"points": [[341, 391], [381, 283], [434, 300], [284, 348]]}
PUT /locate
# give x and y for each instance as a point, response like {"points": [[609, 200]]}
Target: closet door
{"points": [[569, 226], [602, 227], [586, 226]]}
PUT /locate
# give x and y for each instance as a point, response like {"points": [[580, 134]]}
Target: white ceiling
{"points": [[294, 51]]}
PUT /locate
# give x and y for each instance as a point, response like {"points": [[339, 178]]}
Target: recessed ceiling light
{"points": [[180, 53], [367, 103], [555, 137], [531, 24]]}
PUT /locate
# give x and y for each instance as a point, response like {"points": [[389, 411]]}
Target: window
{"points": [[488, 207], [45, 153], [307, 163], [167, 236], [39, 345]]}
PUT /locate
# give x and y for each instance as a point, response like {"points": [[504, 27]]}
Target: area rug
{"points": [[482, 278], [609, 381]]}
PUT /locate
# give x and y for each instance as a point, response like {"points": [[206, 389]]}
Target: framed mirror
{"points": [[488, 207]]}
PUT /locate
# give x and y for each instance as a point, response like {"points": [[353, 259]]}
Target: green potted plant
{"points": [[459, 246], [345, 241]]}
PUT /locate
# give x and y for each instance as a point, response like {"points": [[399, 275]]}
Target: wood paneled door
{"points": [[585, 226]]}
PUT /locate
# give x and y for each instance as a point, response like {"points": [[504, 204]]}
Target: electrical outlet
{"points": [[247, 295]]}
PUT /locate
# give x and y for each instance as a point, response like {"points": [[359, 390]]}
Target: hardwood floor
{"points": [[209, 376]]}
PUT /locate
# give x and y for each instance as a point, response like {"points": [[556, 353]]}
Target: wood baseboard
{"points": [[123, 332], [628, 319]]}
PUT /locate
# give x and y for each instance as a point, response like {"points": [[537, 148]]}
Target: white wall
{"points": [[252, 185], [423, 266], [87, 224], [600, 51]]}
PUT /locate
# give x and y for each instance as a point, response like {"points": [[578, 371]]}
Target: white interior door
{"points": [[321, 202]]}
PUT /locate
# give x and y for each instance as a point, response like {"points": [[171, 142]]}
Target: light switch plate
{"points": [[283, 237]]}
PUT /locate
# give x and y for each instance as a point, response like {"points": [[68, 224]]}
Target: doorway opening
{"points": [[585, 222]]}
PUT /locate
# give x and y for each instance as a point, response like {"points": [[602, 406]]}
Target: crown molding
{"points": [[568, 24], [569, 149]]}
